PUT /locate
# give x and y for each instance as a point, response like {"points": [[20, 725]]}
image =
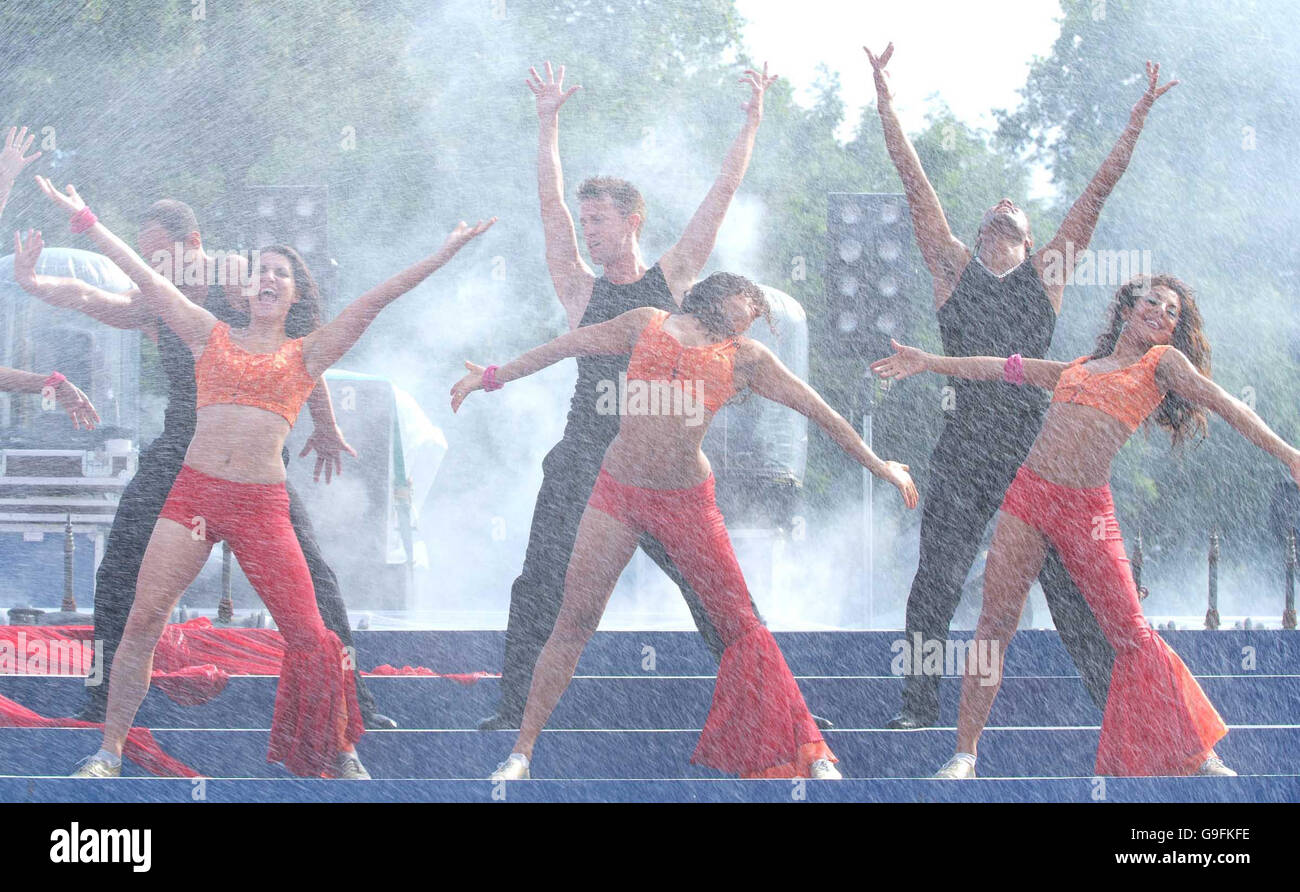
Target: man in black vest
{"points": [[999, 299], [611, 212], [167, 226]]}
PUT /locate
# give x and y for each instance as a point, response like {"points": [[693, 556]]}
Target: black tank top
{"points": [[178, 364], [988, 316], [607, 301]]}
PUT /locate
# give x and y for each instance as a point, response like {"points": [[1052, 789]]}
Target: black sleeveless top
{"points": [[607, 301], [178, 364], [988, 316]]}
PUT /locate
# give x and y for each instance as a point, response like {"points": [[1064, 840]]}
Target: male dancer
{"points": [[168, 224], [611, 212], [991, 302]]}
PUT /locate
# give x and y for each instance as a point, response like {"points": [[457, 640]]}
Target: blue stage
{"points": [[623, 733]]}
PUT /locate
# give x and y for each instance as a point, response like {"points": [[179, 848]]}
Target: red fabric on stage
{"points": [[465, 678], [1157, 721], [140, 747]]}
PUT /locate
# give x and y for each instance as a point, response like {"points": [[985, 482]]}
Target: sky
{"points": [[991, 45]]}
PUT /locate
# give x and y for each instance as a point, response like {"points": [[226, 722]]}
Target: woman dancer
{"points": [[55, 390], [1152, 358], [251, 385], [655, 479]]}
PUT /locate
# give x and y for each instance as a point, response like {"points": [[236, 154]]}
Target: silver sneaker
{"points": [[93, 767], [349, 767], [955, 769], [824, 769], [513, 768], [1214, 767]]}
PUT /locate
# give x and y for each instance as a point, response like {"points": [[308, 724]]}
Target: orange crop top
{"points": [[658, 356], [1129, 394], [228, 374]]}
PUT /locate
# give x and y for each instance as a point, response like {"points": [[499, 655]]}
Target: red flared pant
{"points": [[316, 712], [758, 724], [1157, 719]]}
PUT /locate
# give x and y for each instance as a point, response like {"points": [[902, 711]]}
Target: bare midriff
{"points": [[238, 443], [1076, 446], [659, 452]]}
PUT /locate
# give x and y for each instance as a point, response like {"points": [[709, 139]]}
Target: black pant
{"points": [[568, 475], [970, 470], [137, 513]]}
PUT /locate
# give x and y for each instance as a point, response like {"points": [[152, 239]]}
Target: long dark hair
{"points": [[305, 315], [1181, 418], [704, 301]]}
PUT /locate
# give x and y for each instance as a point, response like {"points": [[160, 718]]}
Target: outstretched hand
{"points": [[881, 76], [463, 234], [68, 199], [1154, 92], [1294, 466], [898, 474], [465, 386], [758, 84], [76, 404], [550, 92], [25, 256], [330, 446], [14, 157], [905, 362]]}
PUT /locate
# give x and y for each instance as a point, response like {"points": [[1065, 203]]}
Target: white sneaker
{"points": [[1214, 767], [824, 769], [956, 768], [513, 768], [95, 767], [349, 767]]}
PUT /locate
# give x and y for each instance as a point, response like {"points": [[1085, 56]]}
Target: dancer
{"points": [[251, 384], [612, 213], [655, 479], [169, 234], [1152, 361], [55, 390], [1001, 298]]}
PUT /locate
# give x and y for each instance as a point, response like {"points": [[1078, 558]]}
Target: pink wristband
{"points": [[82, 220], [1014, 371], [54, 380], [490, 378]]}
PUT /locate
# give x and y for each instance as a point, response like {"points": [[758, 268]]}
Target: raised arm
{"points": [[188, 320], [13, 158], [1079, 223], [327, 344], [58, 391], [944, 254], [126, 310], [768, 377], [908, 361], [572, 278], [1177, 373], [611, 338], [682, 263]]}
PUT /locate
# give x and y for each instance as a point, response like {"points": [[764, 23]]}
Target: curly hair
{"points": [[704, 301], [1183, 419]]}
